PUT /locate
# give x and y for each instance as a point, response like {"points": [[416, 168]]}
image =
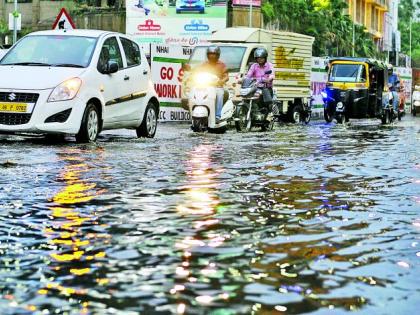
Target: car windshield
{"points": [[347, 73], [51, 50], [231, 56]]}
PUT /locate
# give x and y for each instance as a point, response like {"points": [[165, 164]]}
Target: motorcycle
{"points": [[255, 108], [202, 104]]}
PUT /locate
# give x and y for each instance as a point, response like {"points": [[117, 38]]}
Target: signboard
{"points": [[18, 22], [166, 62], [318, 83], [180, 22], [406, 79], [255, 3], [63, 21]]}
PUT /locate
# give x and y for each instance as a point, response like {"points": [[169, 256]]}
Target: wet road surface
{"points": [[318, 219]]}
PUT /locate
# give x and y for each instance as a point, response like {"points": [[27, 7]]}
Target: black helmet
{"points": [[213, 49], [260, 53]]}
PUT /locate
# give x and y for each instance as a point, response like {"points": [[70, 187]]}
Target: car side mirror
{"points": [[186, 67], [112, 67]]}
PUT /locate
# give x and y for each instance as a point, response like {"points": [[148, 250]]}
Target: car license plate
{"points": [[13, 107]]}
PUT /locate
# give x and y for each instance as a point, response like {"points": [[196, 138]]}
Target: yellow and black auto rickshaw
{"points": [[357, 88]]}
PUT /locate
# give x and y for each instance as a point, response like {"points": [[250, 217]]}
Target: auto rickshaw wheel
{"points": [[327, 116]]}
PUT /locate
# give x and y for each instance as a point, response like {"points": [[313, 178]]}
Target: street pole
{"points": [[250, 13], [354, 23], [15, 24], [410, 41]]}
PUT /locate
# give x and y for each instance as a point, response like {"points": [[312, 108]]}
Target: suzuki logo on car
{"points": [[12, 96]]}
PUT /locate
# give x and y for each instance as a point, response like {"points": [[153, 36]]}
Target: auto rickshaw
{"points": [[357, 88]]}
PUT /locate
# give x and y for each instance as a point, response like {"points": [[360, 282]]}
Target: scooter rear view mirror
{"points": [[268, 72]]}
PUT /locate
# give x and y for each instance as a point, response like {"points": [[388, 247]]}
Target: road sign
{"points": [[18, 21], [63, 21]]}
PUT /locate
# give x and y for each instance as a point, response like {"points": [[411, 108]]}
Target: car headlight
{"points": [[66, 90]]}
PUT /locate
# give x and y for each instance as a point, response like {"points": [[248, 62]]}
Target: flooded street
{"points": [[319, 219]]}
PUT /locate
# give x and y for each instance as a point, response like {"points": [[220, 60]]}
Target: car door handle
{"points": [[126, 78], [145, 71]]}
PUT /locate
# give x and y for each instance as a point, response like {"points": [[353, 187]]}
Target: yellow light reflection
{"points": [[74, 249], [200, 203]]}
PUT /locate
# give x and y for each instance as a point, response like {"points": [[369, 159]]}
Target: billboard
{"points": [[167, 78], [255, 3], [180, 22]]}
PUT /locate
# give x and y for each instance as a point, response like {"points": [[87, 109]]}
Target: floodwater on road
{"points": [[319, 219]]}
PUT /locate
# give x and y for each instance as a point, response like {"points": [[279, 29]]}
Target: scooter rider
{"points": [[393, 85], [215, 66]]}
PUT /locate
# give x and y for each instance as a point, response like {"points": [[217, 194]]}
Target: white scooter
{"points": [[202, 104]]}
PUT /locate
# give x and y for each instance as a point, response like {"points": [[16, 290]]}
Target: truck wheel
{"points": [[307, 118], [89, 127], [296, 116], [148, 126]]}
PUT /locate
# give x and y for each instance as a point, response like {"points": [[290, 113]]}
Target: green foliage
{"points": [[323, 19], [406, 12], [4, 28]]}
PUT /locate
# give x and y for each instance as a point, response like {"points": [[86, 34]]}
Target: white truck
{"points": [[290, 53]]}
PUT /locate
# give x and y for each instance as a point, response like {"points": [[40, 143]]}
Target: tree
{"points": [[406, 12], [323, 19]]}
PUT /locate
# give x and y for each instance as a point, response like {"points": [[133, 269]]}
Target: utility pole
{"points": [[353, 3], [410, 40], [250, 13], [15, 23]]}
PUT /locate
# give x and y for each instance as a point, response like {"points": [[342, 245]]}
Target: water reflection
{"points": [[202, 204], [77, 248]]}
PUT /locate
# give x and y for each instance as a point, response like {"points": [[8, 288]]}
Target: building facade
{"points": [[370, 14]]}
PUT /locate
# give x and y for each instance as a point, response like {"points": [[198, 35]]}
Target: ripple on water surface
{"points": [[299, 220]]}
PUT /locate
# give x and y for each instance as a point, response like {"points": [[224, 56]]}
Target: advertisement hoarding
{"points": [[180, 22]]}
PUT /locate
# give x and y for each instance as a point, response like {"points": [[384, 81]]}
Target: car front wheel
{"points": [[148, 127], [89, 128]]}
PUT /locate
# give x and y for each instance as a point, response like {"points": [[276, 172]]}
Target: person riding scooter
{"points": [[393, 86], [215, 66]]}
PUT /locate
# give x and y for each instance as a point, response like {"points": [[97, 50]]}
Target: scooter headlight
{"points": [[204, 79], [340, 106]]}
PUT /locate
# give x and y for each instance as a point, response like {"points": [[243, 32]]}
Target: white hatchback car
{"points": [[76, 82]]}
